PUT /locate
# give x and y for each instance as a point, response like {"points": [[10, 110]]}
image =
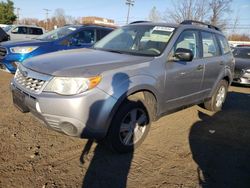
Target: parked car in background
{"points": [[23, 32], [3, 25], [69, 37], [131, 77], [242, 65], [3, 35]]}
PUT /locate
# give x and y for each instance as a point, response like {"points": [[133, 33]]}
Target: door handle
{"points": [[200, 67]]}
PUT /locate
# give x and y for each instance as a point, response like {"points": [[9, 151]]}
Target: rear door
{"points": [[214, 61], [184, 79]]}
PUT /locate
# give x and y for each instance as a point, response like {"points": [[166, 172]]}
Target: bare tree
{"points": [[154, 15], [235, 22], [218, 9], [60, 17], [187, 10]]}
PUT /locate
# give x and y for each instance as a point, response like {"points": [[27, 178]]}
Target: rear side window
{"points": [[224, 44], [35, 31], [210, 48], [102, 33]]}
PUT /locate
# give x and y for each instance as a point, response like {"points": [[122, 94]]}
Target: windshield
{"points": [[242, 53], [137, 40], [7, 28], [57, 33]]}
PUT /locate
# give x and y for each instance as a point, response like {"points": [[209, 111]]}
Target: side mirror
{"points": [[184, 54]]}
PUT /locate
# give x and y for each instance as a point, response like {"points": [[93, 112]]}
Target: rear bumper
{"points": [[84, 116]]}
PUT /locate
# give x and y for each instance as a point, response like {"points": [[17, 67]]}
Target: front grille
{"points": [[32, 84], [3, 52]]}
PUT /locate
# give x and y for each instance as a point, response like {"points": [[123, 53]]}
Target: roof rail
{"points": [[190, 22], [141, 21]]}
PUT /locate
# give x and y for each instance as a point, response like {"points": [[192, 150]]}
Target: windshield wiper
{"points": [[109, 50]]}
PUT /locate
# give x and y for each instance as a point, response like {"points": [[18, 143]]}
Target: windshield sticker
{"points": [[72, 28], [160, 28]]}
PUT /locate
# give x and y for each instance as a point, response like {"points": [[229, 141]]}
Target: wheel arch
{"points": [[145, 92]]}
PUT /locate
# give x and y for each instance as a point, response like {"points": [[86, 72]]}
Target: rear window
{"points": [[224, 44]]}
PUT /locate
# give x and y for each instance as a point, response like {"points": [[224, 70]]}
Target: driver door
{"points": [[183, 79]]}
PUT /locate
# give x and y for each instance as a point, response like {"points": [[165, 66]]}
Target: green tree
{"points": [[7, 15]]}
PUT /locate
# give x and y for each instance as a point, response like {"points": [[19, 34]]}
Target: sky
{"points": [[117, 9]]}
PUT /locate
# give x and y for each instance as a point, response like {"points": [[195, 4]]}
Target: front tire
{"points": [[218, 98], [129, 126]]}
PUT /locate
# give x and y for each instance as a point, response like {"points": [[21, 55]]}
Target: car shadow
{"points": [[220, 144], [106, 168]]}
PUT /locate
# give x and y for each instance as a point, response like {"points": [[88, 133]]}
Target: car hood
{"points": [[81, 62], [24, 43], [242, 63]]}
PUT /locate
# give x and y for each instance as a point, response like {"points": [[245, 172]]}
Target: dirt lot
{"points": [[190, 148]]}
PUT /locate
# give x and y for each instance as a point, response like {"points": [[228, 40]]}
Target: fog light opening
{"points": [[68, 128]]}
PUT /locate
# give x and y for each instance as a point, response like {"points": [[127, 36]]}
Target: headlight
{"points": [[23, 50], [71, 86]]}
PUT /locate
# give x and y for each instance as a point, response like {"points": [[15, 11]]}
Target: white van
{"points": [[23, 32]]}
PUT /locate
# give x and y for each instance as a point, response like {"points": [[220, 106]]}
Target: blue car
{"points": [[64, 38]]}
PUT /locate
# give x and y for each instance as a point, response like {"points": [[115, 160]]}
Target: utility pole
{"points": [[47, 17], [129, 3], [17, 15]]}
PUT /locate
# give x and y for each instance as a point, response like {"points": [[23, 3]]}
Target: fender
{"points": [[135, 84], [224, 74]]}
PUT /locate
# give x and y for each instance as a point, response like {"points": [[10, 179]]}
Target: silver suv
{"points": [[23, 32], [130, 78]]}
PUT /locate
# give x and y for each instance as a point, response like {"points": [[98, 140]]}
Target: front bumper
{"points": [[85, 115]]}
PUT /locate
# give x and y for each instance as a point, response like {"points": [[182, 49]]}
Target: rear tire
{"points": [[129, 126], [218, 98]]}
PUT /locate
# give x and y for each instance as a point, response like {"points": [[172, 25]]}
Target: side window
{"points": [[210, 48], [188, 40], [20, 30], [84, 37], [102, 33], [35, 31], [224, 44]]}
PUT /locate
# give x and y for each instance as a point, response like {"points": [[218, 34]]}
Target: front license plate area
{"points": [[18, 100]]}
